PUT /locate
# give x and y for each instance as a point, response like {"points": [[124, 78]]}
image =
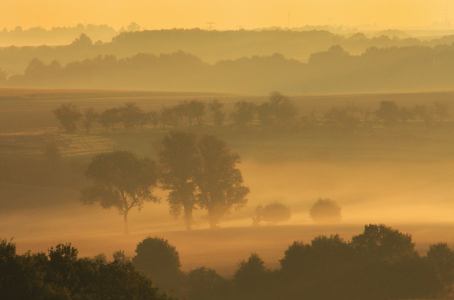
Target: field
{"points": [[401, 180]]}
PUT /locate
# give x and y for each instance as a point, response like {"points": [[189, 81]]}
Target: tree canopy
{"points": [[68, 114], [160, 260], [62, 275], [179, 164], [121, 180], [219, 181]]}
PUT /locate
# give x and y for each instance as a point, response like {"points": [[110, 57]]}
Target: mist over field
{"points": [[266, 162]]}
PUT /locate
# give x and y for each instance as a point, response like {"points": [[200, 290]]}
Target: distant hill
{"points": [[210, 46], [412, 68]]}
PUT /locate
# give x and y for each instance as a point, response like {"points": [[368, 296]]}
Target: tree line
{"points": [[380, 263], [60, 274], [279, 112], [54, 36], [211, 46], [332, 71], [198, 173]]}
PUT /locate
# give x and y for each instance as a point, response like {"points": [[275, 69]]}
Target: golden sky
{"points": [[226, 14]]}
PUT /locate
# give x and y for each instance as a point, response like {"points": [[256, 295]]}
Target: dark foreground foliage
{"points": [[380, 263], [61, 275]]}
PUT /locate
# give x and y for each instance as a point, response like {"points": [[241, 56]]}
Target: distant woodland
{"points": [[58, 35], [234, 61], [332, 71]]}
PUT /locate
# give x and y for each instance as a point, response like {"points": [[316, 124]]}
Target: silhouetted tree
{"points": [[276, 212], [198, 110], [441, 109], [405, 114], [121, 257], [425, 114], [389, 267], [110, 117], [170, 116], [205, 284], [90, 116], [154, 118], [183, 109], [101, 258], [443, 258], [325, 211], [379, 242], [143, 119], [160, 260], [243, 113], [120, 180], [250, 277], [344, 119], [258, 217], [133, 27], [131, 115], [388, 112], [218, 114], [180, 163], [68, 114], [62, 275], [82, 41], [309, 122], [219, 181], [279, 110], [320, 270], [322, 255]]}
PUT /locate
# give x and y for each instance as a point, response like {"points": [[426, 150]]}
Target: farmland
{"points": [[403, 179]]}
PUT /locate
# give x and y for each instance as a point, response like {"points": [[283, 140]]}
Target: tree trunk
{"points": [[188, 217], [125, 215]]}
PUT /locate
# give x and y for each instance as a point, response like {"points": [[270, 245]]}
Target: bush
{"points": [[276, 212], [325, 211]]}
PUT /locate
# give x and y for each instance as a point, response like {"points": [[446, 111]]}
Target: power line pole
{"points": [[210, 23]]}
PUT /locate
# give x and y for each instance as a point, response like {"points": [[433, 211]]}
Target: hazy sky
{"points": [[226, 14]]}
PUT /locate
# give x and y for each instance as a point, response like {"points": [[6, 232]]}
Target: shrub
{"points": [[325, 211], [276, 212]]}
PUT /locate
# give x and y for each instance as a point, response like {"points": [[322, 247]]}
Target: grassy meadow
{"points": [[402, 179]]}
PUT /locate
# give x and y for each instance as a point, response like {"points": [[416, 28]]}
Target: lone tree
{"points": [[68, 114], [219, 182], [325, 211], [121, 180], [276, 212], [180, 163]]}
